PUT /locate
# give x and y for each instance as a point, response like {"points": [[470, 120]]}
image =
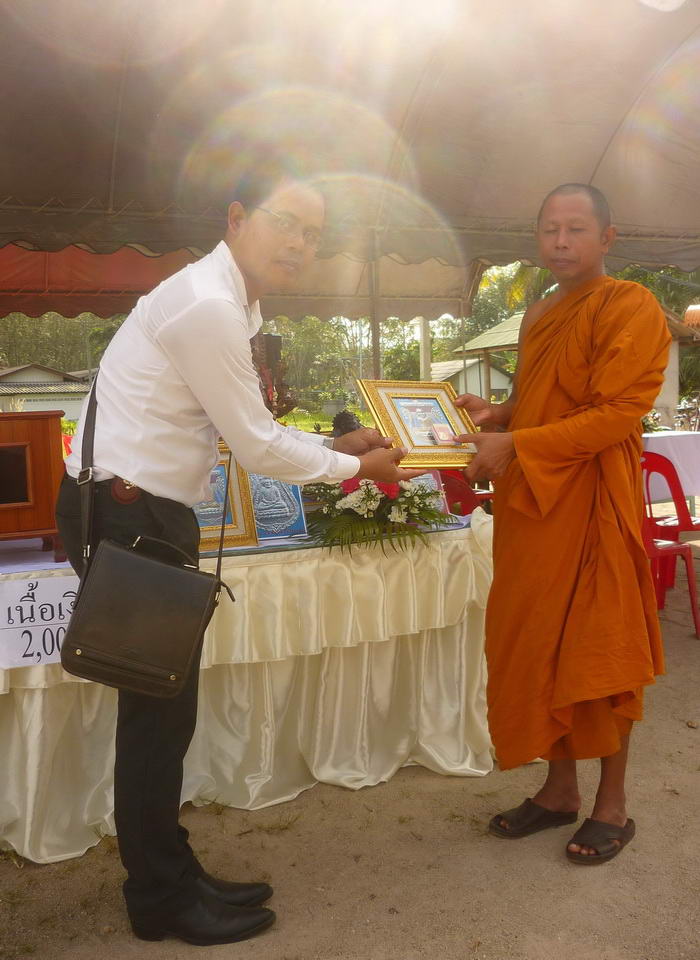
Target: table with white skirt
{"points": [[329, 667]]}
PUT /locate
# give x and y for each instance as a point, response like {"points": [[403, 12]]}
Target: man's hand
{"points": [[494, 452], [382, 465], [483, 413], [360, 441]]}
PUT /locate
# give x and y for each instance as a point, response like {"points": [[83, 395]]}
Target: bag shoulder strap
{"points": [[223, 520], [86, 483]]}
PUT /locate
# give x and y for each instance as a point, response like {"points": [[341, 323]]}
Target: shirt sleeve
{"points": [[316, 438], [630, 353], [209, 347]]}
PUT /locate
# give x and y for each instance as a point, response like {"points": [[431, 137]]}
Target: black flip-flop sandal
{"points": [[607, 838], [528, 818]]}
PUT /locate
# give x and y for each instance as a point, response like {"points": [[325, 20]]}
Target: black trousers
{"points": [[152, 733]]}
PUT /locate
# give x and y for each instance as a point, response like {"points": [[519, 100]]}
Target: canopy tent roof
{"points": [[691, 318], [73, 281], [441, 127], [681, 331]]}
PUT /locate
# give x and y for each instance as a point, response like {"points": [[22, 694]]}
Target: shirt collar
{"points": [[223, 253]]}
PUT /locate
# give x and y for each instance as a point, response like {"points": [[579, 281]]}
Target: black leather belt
{"points": [[121, 490]]}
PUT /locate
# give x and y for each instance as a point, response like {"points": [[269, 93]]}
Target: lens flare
{"points": [[315, 130], [670, 107], [666, 6], [369, 216], [108, 34], [653, 161]]}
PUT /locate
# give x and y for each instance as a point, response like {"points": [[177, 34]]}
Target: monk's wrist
{"points": [[501, 414]]}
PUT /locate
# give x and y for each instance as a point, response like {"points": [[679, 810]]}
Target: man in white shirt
{"points": [[177, 375]]}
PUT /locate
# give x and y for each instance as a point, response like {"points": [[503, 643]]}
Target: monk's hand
{"points": [[488, 416], [494, 452], [361, 441]]}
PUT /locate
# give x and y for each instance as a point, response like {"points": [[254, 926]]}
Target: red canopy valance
{"points": [[73, 281]]}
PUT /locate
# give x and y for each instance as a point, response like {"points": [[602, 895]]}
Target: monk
{"points": [[572, 635]]}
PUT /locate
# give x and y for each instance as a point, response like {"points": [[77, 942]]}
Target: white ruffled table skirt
{"points": [[329, 668]]}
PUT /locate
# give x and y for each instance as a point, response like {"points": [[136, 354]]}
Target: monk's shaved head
{"points": [[598, 201]]}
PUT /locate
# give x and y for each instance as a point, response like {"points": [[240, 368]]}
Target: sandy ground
{"points": [[406, 870]]}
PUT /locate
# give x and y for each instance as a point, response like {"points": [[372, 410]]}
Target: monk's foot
{"points": [[559, 797], [555, 798], [604, 813]]}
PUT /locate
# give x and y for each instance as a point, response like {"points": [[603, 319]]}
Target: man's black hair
{"points": [[260, 179], [600, 205]]}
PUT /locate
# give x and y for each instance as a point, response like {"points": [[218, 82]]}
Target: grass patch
{"points": [[13, 857], [307, 419]]}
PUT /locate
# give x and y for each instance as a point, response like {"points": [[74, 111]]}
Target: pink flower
{"points": [[390, 490], [350, 486]]}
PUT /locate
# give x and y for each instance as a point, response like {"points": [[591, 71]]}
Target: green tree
{"points": [[502, 292], [101, 333], [673, 288], [402, 361], [689, 372], [54, 341], [318, 354]]}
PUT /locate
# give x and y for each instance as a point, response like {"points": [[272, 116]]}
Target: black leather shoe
{"points": [[207, 922], [235, 894]]}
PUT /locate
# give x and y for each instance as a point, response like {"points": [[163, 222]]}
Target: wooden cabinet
{"points": [[31, 467]]}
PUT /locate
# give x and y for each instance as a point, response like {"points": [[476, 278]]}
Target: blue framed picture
{"points": [[421, 416], [433, 481], [277, 508], [209, 511], [239, 523]]}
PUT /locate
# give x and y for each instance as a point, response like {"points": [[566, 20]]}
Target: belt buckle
{"points": [[124, 491]]}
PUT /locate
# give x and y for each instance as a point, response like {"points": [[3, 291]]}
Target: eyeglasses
{"points": [[289, 226]]}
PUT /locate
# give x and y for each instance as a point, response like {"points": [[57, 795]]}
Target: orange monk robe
{"points": [[572, 633]]}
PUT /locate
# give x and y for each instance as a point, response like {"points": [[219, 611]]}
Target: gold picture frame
{"points": [[415, 415], [239, 530]]}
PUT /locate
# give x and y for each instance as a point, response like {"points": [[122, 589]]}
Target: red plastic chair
{"points": [[461, 498], [661, 553], [669, 527]]}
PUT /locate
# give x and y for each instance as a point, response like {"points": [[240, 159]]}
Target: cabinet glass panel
{"points": [[14, 479]]}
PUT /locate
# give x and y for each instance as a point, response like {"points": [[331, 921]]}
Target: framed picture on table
{"points": [[432, 480], [278, 508], [239, 525], [423, 418]]}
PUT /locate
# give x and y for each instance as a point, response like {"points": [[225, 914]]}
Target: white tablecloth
{"points": [[329, 667], [682, 448]]}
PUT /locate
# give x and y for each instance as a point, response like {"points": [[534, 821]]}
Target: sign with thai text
{"points": [[34, 615]]}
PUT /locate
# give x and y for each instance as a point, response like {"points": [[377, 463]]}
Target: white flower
{"points": [[398, 514], [364, 501]]}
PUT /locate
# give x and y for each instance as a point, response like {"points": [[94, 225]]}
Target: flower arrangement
{"points": [[366, 511]]}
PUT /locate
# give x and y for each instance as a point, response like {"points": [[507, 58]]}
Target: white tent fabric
{"points": [[442, 124], [342, 286]]}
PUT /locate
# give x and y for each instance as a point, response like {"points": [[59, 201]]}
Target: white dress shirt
{"points": [[177, 374]]}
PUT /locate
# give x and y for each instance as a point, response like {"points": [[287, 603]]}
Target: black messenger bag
{"points": [[141, 610]]}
